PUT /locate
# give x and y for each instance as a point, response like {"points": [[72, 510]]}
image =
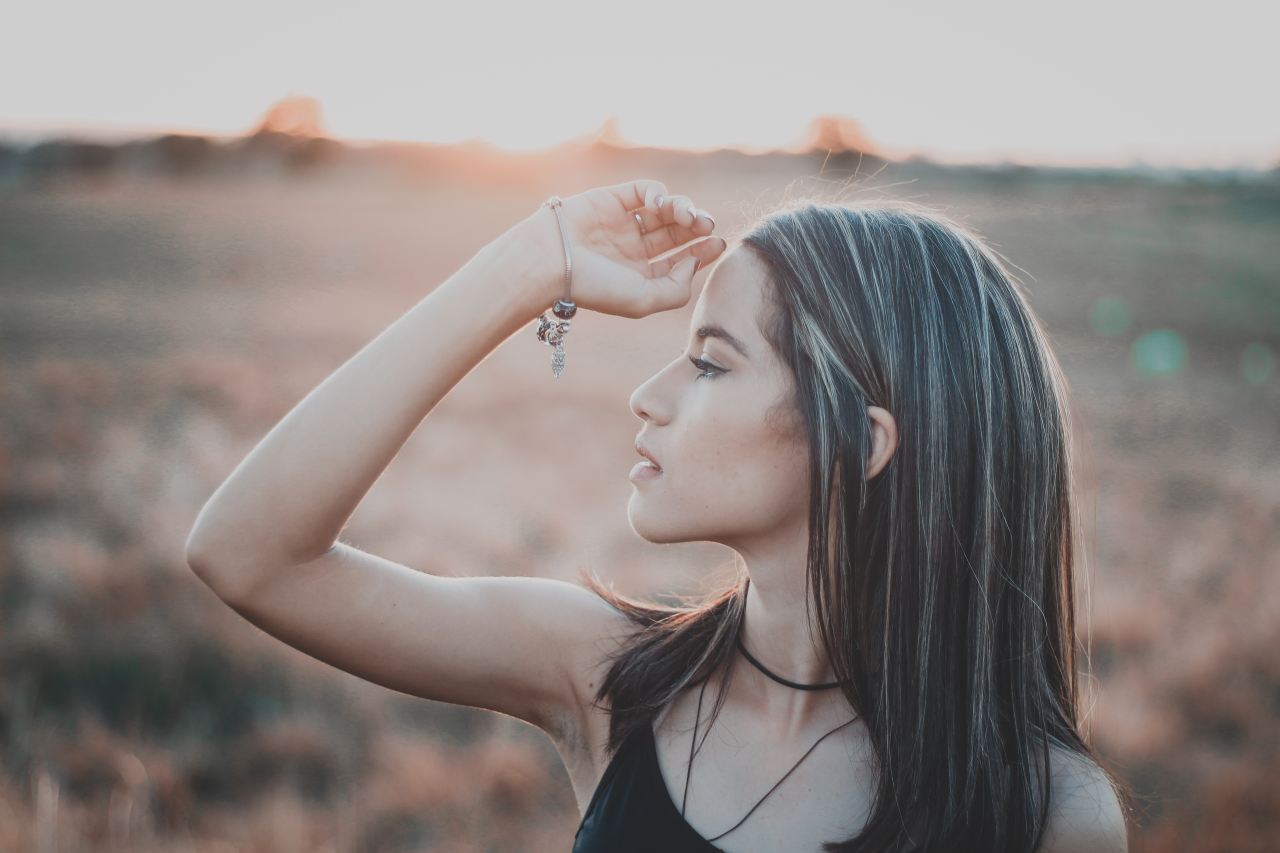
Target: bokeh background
{"points": [[203, 212]]}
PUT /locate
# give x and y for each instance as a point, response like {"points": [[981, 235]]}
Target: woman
{"points": [[895, 672]]}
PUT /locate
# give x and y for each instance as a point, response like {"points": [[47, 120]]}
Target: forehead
{"points": [[733, 292]]}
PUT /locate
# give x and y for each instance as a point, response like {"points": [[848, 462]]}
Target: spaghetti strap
{"points": [[689, 770]]}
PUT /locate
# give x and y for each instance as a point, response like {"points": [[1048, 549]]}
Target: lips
{"points": [[643, 451]]}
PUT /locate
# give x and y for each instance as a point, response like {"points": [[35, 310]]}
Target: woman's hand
{"points": [[614, 266]]}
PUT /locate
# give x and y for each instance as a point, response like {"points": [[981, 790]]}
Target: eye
{"points": [[709, 370]]}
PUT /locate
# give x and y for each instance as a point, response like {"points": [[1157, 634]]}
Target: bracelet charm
{"points": [[552, 330]]}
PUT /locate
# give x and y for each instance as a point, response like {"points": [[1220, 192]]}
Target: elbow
{"points": [[213, 564], [206, 551], [233, 571]]}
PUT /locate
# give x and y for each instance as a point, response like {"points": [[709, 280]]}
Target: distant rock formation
{"points": [[610, 134], [837, 134], [295, 115]]}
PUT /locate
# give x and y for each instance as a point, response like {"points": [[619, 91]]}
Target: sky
{"points": [[1089, 83]]}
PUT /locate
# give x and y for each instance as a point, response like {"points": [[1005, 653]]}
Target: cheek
{"points": [[741, 473], [771, 484], [768, 477]]}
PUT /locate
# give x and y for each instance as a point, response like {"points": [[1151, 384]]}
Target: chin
{"points": [[649, 528]]}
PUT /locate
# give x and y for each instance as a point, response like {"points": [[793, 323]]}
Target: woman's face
{"points": [[732, 471]]}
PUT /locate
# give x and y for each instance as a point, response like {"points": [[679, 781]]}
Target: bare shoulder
{"points": [[1085, 813]]}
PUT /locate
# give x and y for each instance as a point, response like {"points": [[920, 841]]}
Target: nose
{"points": [[644, 401], [638, 407]]}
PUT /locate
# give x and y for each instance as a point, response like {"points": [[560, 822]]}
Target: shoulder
{"points": [[599, 631], [1085, 813]]}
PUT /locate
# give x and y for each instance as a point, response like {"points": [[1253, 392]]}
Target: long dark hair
{"points": [[944, 586]]}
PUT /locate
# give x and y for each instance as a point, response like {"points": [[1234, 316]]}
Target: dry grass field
{"points": [[153, 329]]}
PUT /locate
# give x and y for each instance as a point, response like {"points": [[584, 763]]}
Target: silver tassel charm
{"points": [[552, 330]]}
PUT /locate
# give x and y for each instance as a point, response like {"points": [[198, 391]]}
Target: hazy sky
{"points": [[1086, 82]]}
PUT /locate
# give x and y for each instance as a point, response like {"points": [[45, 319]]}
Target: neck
{"points": [[773, 676], [777, 635]]}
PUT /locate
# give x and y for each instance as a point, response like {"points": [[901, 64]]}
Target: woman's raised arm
{"points": [[289, 499], [267, 540]]}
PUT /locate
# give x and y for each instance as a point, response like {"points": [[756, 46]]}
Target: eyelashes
{"points": [[706, 369], [709, 370]]}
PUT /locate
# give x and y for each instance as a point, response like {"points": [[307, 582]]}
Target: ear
{"points": [[884, 439]]}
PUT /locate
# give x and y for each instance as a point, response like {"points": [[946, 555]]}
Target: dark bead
{"points": [[564, 309]]}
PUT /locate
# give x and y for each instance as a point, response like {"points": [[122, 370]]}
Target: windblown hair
{"points": [[944, 586]]}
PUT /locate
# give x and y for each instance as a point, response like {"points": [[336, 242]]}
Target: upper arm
{"points": [[1085, 814], [516, 645]]}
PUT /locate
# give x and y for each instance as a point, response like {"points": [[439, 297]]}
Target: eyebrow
{"points": [[711, 330]]}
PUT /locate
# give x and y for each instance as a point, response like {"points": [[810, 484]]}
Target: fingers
{"points": [[658, 208], [672, 222], [666, 221], [666, 238], [638, 193], [706, 251], [679, 209], [653, 190]]}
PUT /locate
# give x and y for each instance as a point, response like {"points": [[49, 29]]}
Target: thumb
{"points": [[672, 290]]}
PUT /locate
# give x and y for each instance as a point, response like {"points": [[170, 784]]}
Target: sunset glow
{"points": [[1091, 84]]}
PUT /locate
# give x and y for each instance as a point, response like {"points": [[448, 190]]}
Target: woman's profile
{"points": [[867, 412]]}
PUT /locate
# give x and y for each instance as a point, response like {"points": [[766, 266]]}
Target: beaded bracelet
{"points": [[553, 331]]}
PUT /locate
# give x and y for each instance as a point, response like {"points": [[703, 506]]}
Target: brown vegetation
{"points": [[154, 328]]}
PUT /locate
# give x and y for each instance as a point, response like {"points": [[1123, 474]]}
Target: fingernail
{"points": [[712, 218], [657, 201]]}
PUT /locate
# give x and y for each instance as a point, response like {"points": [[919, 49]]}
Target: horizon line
{"points": [[36, 133]]}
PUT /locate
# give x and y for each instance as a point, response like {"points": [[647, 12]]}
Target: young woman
{"points": [[868, 413]]}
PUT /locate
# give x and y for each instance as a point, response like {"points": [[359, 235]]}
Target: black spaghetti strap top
{"points": [[631, 810]]}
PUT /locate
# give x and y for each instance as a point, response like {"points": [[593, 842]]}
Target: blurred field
{"points": [[152, 330]]}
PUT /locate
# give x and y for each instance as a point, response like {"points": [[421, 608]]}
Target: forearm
{"points": [[289, 499]]}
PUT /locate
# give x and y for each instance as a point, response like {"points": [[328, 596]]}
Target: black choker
{"points": [[779, 678]]}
